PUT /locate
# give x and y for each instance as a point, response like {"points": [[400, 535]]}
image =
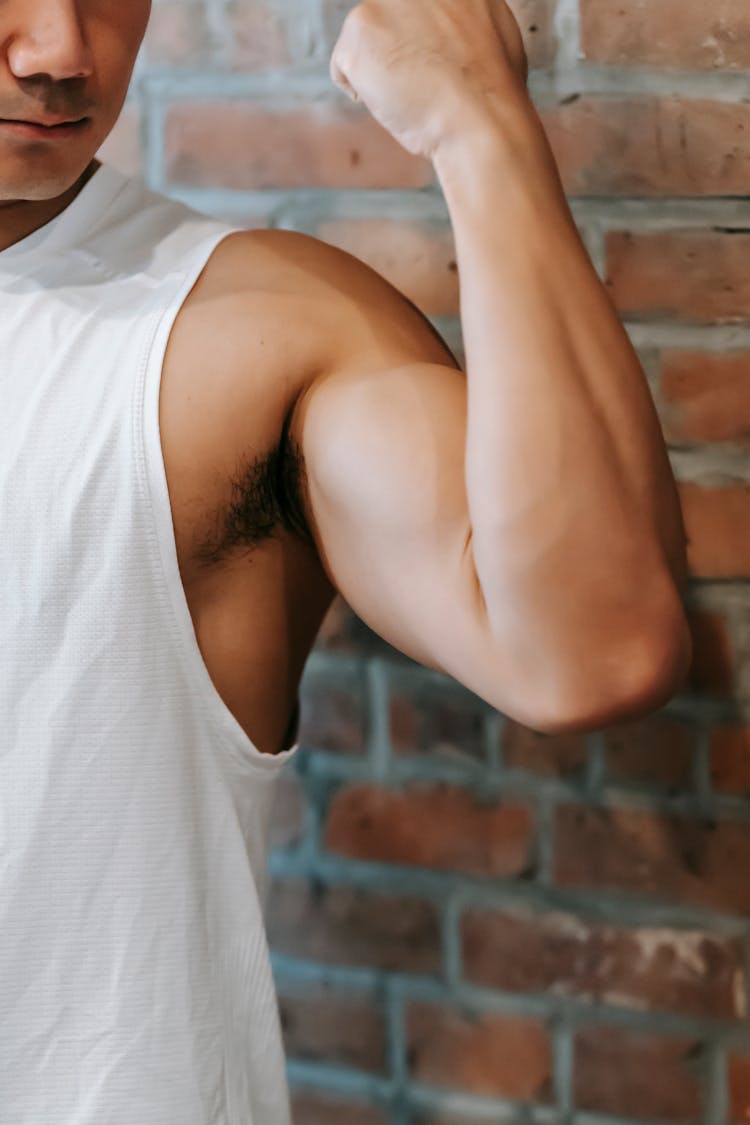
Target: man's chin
{"points": [[36, 176]]}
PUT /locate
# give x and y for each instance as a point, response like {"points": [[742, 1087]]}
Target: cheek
{"points": [[116, 31], [137, 14]]}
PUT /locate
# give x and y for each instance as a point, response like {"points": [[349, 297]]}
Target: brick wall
{"points": [[471, 922]]}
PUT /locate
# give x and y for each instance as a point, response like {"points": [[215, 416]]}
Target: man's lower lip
{"points": [[43, 132]]}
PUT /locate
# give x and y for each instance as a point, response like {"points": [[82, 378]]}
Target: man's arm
{"points": [[519, 529], [578, 537]]}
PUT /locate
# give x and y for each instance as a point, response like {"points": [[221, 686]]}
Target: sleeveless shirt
{"points": [[135, 976]]}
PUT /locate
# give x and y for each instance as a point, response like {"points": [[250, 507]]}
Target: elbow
{"points": [[635, 678]]}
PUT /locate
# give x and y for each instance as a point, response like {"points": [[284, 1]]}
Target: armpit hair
{"points": [[266, 492], [266, 497]]}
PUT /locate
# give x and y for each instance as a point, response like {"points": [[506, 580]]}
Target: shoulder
{"points": [[272, 315], [345, 306]]}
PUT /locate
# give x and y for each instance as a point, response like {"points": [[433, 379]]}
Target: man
{"points": [[207, 433]]}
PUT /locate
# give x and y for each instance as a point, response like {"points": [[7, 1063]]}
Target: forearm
{"points": [[577, 533]]}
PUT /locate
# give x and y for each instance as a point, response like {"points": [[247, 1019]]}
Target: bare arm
{"points": [[577, 537], [518, 527], [383, 429]]}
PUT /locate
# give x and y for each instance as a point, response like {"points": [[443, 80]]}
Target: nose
{"points": [[51, 41]]}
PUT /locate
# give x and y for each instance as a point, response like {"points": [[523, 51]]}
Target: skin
{"points": [[549, 584], [65, 59]]}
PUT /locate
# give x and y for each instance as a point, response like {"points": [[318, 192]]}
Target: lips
{"points": [[40, 133], [46, 123]]}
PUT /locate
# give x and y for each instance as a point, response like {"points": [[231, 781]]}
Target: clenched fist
{"points": [[421, 65]]}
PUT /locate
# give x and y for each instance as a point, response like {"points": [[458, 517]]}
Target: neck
{"points": [[21, 217]]}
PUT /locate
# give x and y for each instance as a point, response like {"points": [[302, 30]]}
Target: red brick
{"points": [[656, 749], [258, 36], [536, 21], [178, 35], [705, 397], [288, 811], [553, 755], [436, 1117], [343, 631], [501, 1055], [436, 826], [635, 1075], [232, 144], [698, 974], [336, 627], [730, 759], [122, 148], [435, 717], [333, 708], [698, 276], [717, 521], [690, 34], [738, 1067], [352, 926], [650, 146], [712, 670], [315, 1108], [535, 18], [418, 258], [322, 1024], [687, 860]]}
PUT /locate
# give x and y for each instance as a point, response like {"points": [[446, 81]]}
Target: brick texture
{"points": [[685, 276], [688, 34], [656, 750], [641, 967], [712, 670], [259, 35], [446, 1117], [353, 926], [705, 397], [730, 759], [242, 146], [179, 35], [439, 719], [693, 276], [333, 1026], [553, 755], [645, 1076], [483, 1054], [316, 1108], [333, 707], [535, 19], [739, 1088], [683, 859], [642, 146], [343, 632], [288, 819], [717, 521], [436, 826]]}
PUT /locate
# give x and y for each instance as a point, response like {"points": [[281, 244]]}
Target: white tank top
{"points": [[135, 980]]}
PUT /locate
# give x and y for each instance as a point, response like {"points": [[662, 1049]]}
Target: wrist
{"points": [[501, 137]]}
